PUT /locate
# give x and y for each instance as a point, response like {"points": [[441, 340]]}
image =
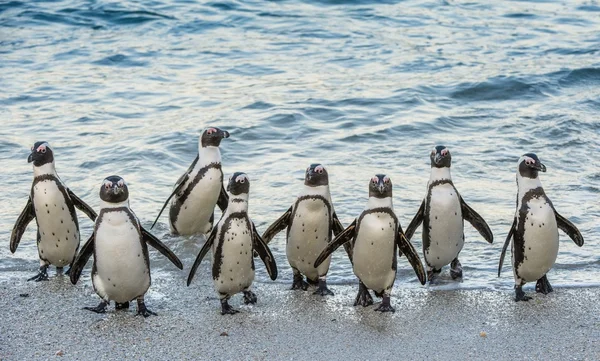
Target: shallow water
{"points": [[363, 87]]}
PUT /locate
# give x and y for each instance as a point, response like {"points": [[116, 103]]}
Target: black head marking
{"points": [[211, 137], [530, 165], [238, 184], [316, 175], [114, 189], [440, 157], [380, 186], [41, 154]]}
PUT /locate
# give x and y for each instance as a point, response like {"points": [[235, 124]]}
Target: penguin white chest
{"points": [[446, 224], [540, 238], [234, 271], [59, 234], [308, 235], [373, 252], [122, 273]]}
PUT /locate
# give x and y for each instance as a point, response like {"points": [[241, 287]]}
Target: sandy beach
{"points": [[42, 321]]}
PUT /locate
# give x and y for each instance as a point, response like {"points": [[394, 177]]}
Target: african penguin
{"points": [[534, 230], [52, 205], [233, 241], [199, 189], [121, 269], [442, 213], [375, 236], [310, 222]]}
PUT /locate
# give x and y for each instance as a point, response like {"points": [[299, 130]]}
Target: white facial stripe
{"points": [[241, 178], [386, 179], [43, 147], [211, 131], [528, 160], [319, 169], [444, 151], [375, 179], [121, 183], [107, 183]]}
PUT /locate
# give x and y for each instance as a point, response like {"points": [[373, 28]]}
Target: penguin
{"points": [[534, 230], [233, 272], [52, 205], [199, 189], [121, 268], [443, 212], [310, 222], [374, 237]]}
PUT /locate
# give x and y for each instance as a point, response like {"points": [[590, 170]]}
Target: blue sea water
{"points": [[363, 87]]}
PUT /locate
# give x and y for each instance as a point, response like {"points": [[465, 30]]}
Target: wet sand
{"points": [[41, 321]]}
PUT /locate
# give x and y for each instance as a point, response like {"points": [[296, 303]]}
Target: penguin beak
{"points": [[438, 158], [116, 189], [225, 134], [539, 166], [381, 187], [30, 158]]}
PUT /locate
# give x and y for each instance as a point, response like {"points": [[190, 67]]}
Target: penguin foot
{"points": [[322, 289], [101, 308], [249, 297], [299, 283], [121, 306], [543, 286], [41, 276], [520, 295], [68, 272], [142, 310], [226, 309], [456, 270], [363, 297], [432, 275], [59, 271], [385, 305]]}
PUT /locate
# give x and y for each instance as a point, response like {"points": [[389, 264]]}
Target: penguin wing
{"points": [[177, 188], [347, 235], [476, 221], [279, 225], [412, 256], [26, 216], [82, 257], [223, 199], [569, 228], [82, 206], [264, 252], [150, 239], [416, 221], [506, 243], [339, 228], [203, 252]]}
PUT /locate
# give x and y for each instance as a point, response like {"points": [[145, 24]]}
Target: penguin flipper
{"points": [[150, 239], [506, 243], [223, 199], [416, 221], [476, 221], [82, 257], [347, 235], [26, 216], [82, 206], [569, 228], [203, 252], [279, 225], [264, 252], [411, 254], [337, 229]]}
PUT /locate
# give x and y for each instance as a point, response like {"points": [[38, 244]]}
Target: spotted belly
{"points": [[235, 272], [446, 227]]}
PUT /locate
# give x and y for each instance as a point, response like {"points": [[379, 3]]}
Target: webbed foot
{"points": [[456, 270], [322, 289], [121, 306], [432, 274], [142, 310], [226, 309], [299, 283], [249, 297], [101, 308], [520, 295], [42, 275], [543, 286], [363, 297], [385, 305]]}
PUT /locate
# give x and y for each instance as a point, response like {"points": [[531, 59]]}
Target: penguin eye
{"points": [[386, 180], [120, 183], [433, 152], [42, 150], [242, 180], [211, 131], [107, 185], [375, 180], [319, 170], [444, 152]]}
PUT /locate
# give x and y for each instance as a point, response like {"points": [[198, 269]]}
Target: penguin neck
{"points": [[46, 169], [375, 202], [525, 184], [208, 155], [237, 203], [439, 174], [317, 190], [105, 204]]}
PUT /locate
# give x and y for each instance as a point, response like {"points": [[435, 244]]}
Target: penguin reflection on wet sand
{"points": [[374, 238], [442, 213], [199, 189], [52, 205], [233, 241], [121, 270], [534, 230], [310, 221]]}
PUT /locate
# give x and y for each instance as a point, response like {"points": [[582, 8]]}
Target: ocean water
{"points": [[362, 87]]}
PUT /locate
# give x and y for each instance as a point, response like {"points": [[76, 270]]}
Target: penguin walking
{"points": [[534, 230], [233, 241], [52, 205], [121, 269], [199, 189], [442, 213], [374, 237], [310, 221]]}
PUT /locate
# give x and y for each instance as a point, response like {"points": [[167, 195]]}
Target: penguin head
{"points": [[316, 175], [211, 137], [380, 186], [41, 154], [440, 157], [530, 165], [114, 189], [239, 183]]}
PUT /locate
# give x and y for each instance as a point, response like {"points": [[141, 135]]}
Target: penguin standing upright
{"points": [[233, 241], [534, 230], [121, 270], [443, 212], [199, 189], [52, 205], [310, 221], [375, 235]]}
